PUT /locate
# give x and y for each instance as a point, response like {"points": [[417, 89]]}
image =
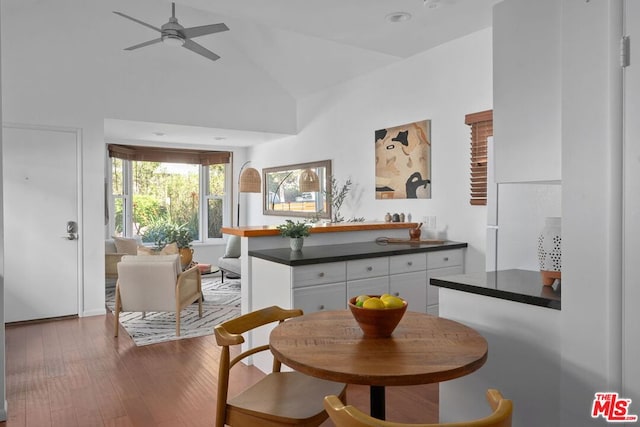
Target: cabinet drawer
{"points": [[407, 263], [370, 267], [411, 287], [370, 286], [317, 274], [441, 259], [319, 298]]}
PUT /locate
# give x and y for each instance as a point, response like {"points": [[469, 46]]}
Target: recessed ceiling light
{"points": [[432, 4], [398, 17], [158, 133], [219, 138]]}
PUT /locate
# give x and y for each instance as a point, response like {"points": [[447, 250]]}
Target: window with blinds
{"points": [[481, 124]]}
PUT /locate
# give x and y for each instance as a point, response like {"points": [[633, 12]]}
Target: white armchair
{"points": [[156, 283]]}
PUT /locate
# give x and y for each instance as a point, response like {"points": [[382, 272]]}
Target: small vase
{"points": [[550, 250], [296, 243]]}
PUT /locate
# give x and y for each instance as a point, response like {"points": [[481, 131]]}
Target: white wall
{"points": [[442, 85], [591, 206]]}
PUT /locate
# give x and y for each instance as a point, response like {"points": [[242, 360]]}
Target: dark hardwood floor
{"points": [[73, 372]]}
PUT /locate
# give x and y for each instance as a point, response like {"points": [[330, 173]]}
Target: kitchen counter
{"points": [[514, 285], [347, 251]]}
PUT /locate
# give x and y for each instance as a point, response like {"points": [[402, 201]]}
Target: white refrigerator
{"points": [[492, 211]]}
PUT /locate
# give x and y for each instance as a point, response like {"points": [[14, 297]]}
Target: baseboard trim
{"points": [[3, 412], [96, 312]]}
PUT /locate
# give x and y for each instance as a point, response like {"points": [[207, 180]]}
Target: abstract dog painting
{"points": [[403, 161]]}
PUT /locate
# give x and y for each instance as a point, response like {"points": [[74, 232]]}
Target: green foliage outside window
{"points": [[166, 198]]}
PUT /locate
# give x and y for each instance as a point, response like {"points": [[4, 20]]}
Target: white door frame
{"points": [[78, 136]]}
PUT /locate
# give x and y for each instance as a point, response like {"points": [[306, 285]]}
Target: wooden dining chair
{"points": [[280, 398], [348, 416]]}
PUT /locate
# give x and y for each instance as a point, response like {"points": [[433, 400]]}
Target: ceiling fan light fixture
{"points": [[172, 40], [396, 17]]}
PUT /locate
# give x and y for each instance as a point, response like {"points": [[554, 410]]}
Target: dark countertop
{"points": [[347, 251], [513, 285]]}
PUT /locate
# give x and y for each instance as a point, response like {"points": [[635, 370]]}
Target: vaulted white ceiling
{"points": [[275, 50]]}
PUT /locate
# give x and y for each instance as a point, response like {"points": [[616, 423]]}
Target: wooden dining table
{"points": [[422, 349]]}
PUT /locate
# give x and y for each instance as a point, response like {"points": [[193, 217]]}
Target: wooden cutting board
{"points": [[421, 241]]}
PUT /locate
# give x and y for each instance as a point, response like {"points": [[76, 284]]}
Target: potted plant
{"points": [[296, 231], [182, 236]]}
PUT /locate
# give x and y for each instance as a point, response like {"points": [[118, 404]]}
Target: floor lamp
{"points": [[248, 182]]}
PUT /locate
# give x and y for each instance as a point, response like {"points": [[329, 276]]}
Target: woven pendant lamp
{"points": [[250, 181], [309, 181]]}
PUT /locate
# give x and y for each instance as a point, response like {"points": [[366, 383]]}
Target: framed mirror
{"points": [[291, 190]]}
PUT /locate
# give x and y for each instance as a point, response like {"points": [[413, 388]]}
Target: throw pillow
{"points": [[143, 250], [233, 247], [170, 249], [126, 245]]}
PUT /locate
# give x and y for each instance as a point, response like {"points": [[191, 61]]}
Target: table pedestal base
{"points": [[377, 401]]}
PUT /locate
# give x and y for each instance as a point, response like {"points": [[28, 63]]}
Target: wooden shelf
{"points": [[271, 230]]}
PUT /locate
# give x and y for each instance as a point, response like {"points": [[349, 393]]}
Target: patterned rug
{"points": [[221, 303]]}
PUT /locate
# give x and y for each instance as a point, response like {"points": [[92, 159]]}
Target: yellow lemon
{"points": [[393, 302], [373, 302], [383, 296]]}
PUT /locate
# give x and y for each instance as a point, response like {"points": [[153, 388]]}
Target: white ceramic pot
{"points": [[550, 250], [296, 243]]}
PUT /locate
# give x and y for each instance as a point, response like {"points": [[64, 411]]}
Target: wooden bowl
{"points": [[377, 323], [414, 233]]}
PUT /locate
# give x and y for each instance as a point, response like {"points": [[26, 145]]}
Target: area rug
{"points": [[221, 303]]}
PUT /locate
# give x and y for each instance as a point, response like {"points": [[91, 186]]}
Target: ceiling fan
{"points": [[172, 33]]}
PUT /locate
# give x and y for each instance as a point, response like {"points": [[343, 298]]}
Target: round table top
{"points": [[423, 349]]}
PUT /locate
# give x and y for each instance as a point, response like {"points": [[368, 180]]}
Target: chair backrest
{"points": [[147, 283], [348, 416], [230, 333]]}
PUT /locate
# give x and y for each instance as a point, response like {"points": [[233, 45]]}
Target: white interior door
{"points": [[40, 179]]}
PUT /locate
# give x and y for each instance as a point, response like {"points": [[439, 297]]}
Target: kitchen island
{"points": [[521, 320], [323, 277]]}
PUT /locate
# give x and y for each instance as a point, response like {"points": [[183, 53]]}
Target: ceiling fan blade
{"points": [[195, 47], [138, 21], [150, 42], [193, 32]]}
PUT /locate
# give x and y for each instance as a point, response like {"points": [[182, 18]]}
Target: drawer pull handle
{"points": [[321, 274], [446, 258], [396, 294], [369, 268], [410, 263], [321, 307]]}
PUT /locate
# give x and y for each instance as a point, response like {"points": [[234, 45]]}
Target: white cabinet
{"points": [[526, 90], [319, 287], [367, 277], [442, 263], [412, 288], [320, 297]]}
